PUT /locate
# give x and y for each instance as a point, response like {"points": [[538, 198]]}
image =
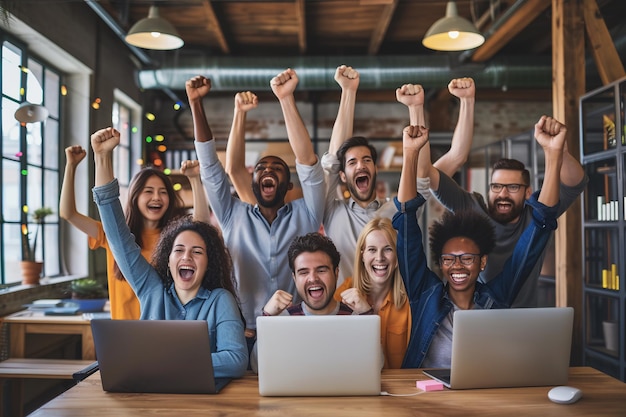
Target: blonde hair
{"points": [[361, 279]]}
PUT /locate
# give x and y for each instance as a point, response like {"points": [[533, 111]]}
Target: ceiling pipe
{"points": [[316, 73]]}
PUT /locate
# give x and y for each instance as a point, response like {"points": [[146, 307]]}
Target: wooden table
{"points": [[35, 322], [602, 395]]}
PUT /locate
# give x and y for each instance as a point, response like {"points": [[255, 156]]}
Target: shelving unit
{"points": [[603, 155]]}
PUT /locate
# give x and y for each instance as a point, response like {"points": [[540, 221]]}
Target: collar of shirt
{"points": [[374, 205]]}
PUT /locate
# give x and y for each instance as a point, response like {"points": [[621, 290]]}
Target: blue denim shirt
{"points": [[217, 307], [259, 249], [427, 293]]}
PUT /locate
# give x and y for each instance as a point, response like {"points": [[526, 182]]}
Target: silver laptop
{"points": [[520, 347], [319, 355], [162, 356]]}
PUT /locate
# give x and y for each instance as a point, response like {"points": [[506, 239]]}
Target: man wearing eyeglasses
{"points": [[506, 205]]}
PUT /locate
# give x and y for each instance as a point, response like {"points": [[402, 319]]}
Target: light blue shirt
{"points": [[217, 307], [259, 250]]}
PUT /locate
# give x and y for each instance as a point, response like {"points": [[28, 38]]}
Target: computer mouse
{"points": [[564, 395]]}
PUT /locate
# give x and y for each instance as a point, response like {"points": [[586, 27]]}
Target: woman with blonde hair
{"points": [[377, 287]]}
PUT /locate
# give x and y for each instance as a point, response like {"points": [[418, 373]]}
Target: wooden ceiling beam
{"points": [[214, 26], [605, 55], [380, 31], [509, 29], [301, 18]]}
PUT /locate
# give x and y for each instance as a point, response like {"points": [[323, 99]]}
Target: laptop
{"points": [[319, 355], [520, 347], [158, 356]]}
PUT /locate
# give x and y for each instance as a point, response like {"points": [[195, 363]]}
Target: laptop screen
{"points": [[319, 355], [161, 356], [509, 348]]}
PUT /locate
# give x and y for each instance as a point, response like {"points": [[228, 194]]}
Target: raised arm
{"points": [[550, 134], [348, 79], [413, 140], [283, 86], [201, 211], [453, 160], [67, 202], [412, 96], [103, 142], [572, 172], [235, 164], [196, 89]]}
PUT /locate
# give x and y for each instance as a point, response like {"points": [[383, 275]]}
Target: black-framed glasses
{"points": [[449, 259], [512, 188]]}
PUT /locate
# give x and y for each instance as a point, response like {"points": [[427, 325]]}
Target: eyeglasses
{"points": [[449, 259], [512, 188]]}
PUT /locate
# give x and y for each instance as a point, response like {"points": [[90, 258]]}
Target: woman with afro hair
{"points": [[460, 244]]}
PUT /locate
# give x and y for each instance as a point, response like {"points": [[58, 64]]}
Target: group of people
{"points": [[321, 254]]}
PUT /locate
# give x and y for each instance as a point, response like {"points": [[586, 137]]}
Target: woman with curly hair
{"points": [[190, 277], [151, 204]]}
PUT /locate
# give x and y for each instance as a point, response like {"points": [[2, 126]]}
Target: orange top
{"points": [[124, 302], [395, 327]]}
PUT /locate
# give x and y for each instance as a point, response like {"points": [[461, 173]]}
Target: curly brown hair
{"points": [[219, 273]]}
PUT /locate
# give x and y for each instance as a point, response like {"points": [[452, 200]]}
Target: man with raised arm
{"points": [[353, 161], [259, 235]]}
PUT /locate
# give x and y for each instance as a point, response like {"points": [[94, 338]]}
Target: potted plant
{"points": [[31, 269], [89, 294]]}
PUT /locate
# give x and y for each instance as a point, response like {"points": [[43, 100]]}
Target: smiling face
{"points": [[316, 281], [188, 263], [379, 258], [359, 173], [153, 200], [462, 278], [504, 206], [270, 181]]}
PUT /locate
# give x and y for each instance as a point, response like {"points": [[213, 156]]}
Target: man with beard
{"points": [[259, 235], [353, 161], [508, 191], [314, 265]]}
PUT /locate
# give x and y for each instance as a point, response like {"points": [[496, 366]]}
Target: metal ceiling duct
{"points": [[377, 73]]}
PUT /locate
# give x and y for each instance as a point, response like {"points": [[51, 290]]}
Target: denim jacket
{"points": [[427, 293]]}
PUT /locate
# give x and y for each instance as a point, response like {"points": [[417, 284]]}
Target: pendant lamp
{"points": [[31, 113], [154, 32], [452, 32]]}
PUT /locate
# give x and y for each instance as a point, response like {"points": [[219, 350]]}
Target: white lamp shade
{"points": [[31, 113], [452, 33], [154, 32]]}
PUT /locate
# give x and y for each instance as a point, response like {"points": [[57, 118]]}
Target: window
{"points": [[126, 119], [29, 167]]}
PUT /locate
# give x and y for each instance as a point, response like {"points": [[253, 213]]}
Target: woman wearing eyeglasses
{"points": [[460, 243]]}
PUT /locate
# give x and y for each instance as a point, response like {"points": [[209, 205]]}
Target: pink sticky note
{"points": [[429, 385]]}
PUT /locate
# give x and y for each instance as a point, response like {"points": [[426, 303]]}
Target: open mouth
{"points": [[504, 206], [186, 272], [155, 207], [315, 291], [362, 182], [459, 277], [380, 270], [268, 185]]}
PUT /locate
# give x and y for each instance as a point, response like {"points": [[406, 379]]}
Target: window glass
{"points": [[10, 188], [11, 71], [29, 163]]}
